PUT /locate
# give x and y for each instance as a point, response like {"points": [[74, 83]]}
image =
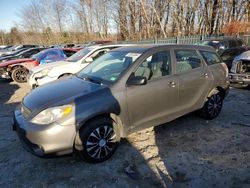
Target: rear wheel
{"points": [[19, 75], [99, 139], [212, 107]]}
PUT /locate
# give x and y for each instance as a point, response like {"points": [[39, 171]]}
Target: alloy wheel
{"points": [[214, 105], [101, 142], [21, 75]]}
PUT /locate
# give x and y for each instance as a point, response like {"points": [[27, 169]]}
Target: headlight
{"points": [[42, 73], [51, 115]]}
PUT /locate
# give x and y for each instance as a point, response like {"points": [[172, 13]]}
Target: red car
{"points": [[18, 69]]}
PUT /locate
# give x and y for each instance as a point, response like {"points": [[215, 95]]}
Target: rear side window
{"points": [[187, 60], [210, 57]]}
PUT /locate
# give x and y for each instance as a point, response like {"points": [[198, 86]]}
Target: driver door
{"points": [[154, 103]]}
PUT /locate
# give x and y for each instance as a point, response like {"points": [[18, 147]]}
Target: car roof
{"points": [[95, 47], [222, 38], [143, 48]]}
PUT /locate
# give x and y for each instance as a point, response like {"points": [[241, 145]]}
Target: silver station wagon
{"points": [[125, 90]]}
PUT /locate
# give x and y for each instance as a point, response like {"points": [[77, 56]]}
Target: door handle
{"points": [[172, 84], [205, 75]]}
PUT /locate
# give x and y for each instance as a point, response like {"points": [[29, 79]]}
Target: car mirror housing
{"points": [[88, 60], [136, 81]]}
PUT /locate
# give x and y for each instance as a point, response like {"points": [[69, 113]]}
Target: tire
{"points": [[212, 107], [99, 140], [19, 75]]}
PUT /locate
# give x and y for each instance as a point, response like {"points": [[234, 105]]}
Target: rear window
{"points": [[210, 57]]}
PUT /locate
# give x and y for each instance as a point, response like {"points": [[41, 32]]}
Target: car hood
{"points": [[243, 56], [58, 93], [11, 62], [49, 66]]}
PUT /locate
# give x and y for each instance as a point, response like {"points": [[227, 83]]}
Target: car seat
{"points": [[143, 70], [183, 66]]}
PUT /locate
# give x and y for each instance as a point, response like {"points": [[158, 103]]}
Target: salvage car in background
{"points": [[18, 69], [125, 90], [51, 72], [221, 44], [240, 71], [228, 55], [12, 49], [23, 53]]}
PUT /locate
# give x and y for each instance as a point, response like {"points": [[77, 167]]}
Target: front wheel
{"points": [[19, 75], [99, 139], [212, 107]]}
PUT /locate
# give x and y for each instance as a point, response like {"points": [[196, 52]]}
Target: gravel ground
{"points": [[188, 152]]}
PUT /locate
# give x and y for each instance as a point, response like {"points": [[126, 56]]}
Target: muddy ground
{"points": [[188, 152]]}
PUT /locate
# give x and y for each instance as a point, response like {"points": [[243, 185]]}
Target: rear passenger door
{"points": [[195, 79]]}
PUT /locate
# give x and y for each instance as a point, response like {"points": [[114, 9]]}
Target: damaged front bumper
{"points": [[4, 73], [242, 79]]}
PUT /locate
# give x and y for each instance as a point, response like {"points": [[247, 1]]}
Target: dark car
{"points": [[228, 55], [17, 47], [18, 69], [23, 53], [221, 44], [123, 91]]}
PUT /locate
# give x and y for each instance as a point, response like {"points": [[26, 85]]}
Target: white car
{"points": [[52, 71]]}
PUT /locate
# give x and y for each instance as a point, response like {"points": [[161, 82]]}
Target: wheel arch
{"points": [[15, 66], [216, 90], [112, 116], [64, 74]]}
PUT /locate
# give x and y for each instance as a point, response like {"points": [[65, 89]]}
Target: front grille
{"points": [[25, 111]]}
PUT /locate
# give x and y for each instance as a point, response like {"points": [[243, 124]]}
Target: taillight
{"points": [[226, 68]]}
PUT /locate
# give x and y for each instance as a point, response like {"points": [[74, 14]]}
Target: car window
{"points": [[210, 57], [155, 66], [232, 43], [68, 53], [109, 67], [240, 42], [187, 60], [79, 55], [230, 54], [99, 53]]}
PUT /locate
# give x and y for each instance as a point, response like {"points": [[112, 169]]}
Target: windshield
{"points": [[214, 43], [36, 56], [109, 67], [79, 55]]}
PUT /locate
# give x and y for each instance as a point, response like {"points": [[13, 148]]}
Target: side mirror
{"points": [[88, 60], [136, 81]]}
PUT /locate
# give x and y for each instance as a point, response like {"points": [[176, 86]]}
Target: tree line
{"points": [[60, 21]]}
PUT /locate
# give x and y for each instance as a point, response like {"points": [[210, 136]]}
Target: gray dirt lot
{"points": [[188, 152]]}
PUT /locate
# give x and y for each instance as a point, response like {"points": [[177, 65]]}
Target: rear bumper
{"points": [[242, 79]]}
